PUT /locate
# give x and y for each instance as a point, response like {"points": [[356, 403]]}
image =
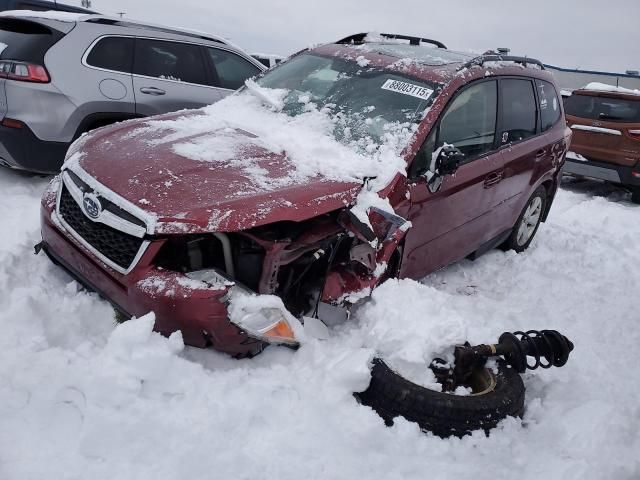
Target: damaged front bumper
{"points": [[319, 268], [202, 311]]}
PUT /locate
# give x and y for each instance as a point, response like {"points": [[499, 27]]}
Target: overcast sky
{"points": [[586, 34]]}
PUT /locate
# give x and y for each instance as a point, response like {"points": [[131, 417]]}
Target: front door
{"points": [[452, 216], [170, 76]]}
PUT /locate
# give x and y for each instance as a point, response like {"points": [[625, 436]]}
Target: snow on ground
{"points": [[81, 398]]}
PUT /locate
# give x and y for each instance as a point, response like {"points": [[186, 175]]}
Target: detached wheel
{"points": [[528, 222], [494, 397]]}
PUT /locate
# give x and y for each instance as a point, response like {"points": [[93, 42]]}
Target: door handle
{"points": [[152, 91], [541, 153], [493, 179]]}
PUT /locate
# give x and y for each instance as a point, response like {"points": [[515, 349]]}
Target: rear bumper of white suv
{"points": [[21, 149]]}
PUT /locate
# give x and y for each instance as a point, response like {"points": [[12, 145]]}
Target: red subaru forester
{"points": [[374, 157]]}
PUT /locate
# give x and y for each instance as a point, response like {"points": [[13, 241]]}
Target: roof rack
{"points": [[156, 28], [493, 57], [359, 38]]}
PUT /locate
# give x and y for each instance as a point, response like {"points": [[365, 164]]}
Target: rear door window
{"points": [[112, 53], [550, 111], [232, 70], [469, 123], [518, 108], [603, 108], [180, 62]]}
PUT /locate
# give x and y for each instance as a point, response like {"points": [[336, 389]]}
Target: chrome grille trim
{"points": [[110, 220]]}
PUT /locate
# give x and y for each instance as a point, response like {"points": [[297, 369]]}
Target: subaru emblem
{"points": [[91, 205]]}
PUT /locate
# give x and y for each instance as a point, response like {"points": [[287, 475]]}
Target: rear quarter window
{"points": [[25, 40], [603, 108], [112, 53], [550, 111]]}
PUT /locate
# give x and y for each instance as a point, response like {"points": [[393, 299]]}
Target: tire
{"points": [[519, 243], [444, 414], [635, 195]]}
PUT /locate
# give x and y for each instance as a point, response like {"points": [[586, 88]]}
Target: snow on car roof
{"points": [[603, 87], [410, 53], [48, 15]]}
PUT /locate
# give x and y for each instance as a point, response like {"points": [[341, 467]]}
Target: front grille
{"points": [[119, 247]]}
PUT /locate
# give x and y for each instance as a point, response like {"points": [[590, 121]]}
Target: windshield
{"points": [[365, 102]]}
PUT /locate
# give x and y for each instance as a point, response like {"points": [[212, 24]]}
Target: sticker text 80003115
{"points": [[407, 89]]}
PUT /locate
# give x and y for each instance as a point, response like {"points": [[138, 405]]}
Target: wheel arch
{"points": [[102, 119]]}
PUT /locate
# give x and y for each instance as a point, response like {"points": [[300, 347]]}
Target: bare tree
{"points": [[86, 3]]}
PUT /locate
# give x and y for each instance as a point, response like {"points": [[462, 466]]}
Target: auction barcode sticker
{"points": [[407, 89]]}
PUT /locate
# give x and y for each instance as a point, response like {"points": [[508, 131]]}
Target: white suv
{"points": [[63, 74]]}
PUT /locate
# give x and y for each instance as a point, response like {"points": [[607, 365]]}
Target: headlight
{"points": [[262, 316], [268, 324]]}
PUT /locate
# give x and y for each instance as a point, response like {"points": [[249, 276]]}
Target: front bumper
{"points": [[21, 149], [579, 166], [199, 313]]}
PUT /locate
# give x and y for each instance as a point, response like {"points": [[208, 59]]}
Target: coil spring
{"points": [[548, 344]]}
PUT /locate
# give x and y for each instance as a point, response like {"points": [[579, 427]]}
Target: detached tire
{"points": [[445, 414], [528, 222]]}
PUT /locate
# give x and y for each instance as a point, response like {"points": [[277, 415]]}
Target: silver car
{"points": [[64, 74]]}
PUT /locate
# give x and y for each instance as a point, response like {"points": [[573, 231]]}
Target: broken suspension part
{"points": [[549, 345]]}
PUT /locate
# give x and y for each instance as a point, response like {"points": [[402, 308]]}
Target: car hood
{"points": [[247, 188]]}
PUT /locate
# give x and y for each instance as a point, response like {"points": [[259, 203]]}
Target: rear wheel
{"points": [[528, 222]]}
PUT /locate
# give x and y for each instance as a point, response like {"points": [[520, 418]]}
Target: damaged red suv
{"points": [[374, 157]]}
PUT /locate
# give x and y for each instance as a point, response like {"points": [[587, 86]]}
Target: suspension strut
{"points": [[515, 347]]}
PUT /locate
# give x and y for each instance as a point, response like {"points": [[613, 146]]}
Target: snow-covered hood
{"points": [[242, 184]]}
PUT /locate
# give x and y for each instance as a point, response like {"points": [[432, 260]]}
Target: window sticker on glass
{"points": [[407, 89]]}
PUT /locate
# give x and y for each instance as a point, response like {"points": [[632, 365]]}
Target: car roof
{"points": [[68, 17], [596, 89], [426, 59]]}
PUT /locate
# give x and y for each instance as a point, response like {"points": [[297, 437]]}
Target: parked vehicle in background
{"points": [[268, 60], [346, 165], [40, 5], [64, 74], [606, 135]]}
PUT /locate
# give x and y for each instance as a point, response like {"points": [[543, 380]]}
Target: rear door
{"points": [[170, 76], [606, 126], [523, 147], [453, 221], [107, 83]]}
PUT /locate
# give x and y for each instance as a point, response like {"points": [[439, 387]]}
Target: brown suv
{"points": [[343, 166], [606, 135]]}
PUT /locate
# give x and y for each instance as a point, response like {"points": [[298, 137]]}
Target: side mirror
{"points": [[449, 159]]}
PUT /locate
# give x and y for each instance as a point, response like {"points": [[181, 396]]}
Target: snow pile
{"points": [[603, 87], [306, 140], [82, 397]]}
